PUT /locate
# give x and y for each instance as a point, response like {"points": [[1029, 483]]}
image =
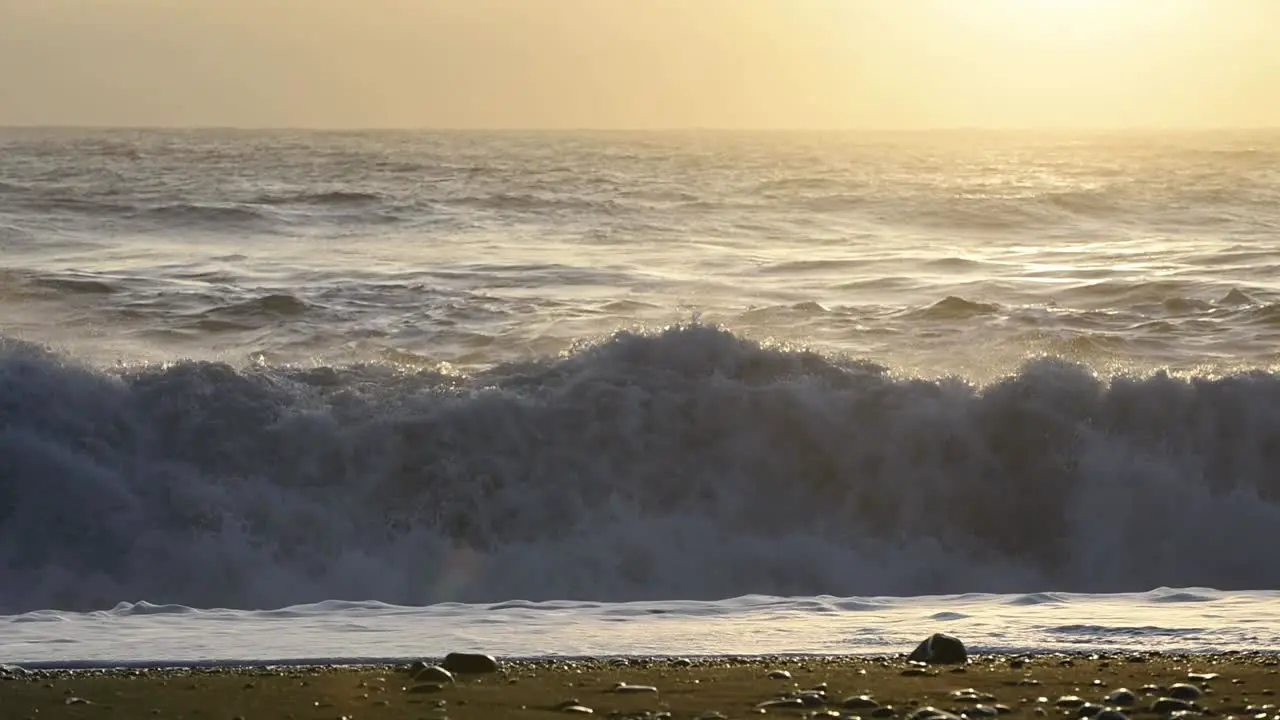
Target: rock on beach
{"points": [[940, 649]]}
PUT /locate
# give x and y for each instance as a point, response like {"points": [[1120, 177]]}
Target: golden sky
{"points": [[883, 64]]}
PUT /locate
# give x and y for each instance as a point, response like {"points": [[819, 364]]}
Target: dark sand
{"points": [[1028, 687]]}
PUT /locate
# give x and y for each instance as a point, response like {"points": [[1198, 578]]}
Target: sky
{"points": [[639, 64]]}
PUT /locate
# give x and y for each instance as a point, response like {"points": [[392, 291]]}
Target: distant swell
{"points": [[689, 463], [276, 304], [332, 198], [205, 214]]}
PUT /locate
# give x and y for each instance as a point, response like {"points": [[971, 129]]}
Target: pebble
{"points": [[1110, 714], [1123, 697], [859, 702], [625, 688], [940, 649], [433, 673], [1169, 705], [1069, 701], [812, 699], [469, 663], [1088, 710], [780, 703], [779, 675], [1183, 691], [970, 695], [572, 706], [930, 712]]}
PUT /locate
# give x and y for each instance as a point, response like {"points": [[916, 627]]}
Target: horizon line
{"points": [[654, 130]]}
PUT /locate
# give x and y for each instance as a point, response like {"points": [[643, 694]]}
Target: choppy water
{"points": [[914, 250], [257, 370]]}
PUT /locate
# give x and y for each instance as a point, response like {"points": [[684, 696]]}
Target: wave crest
{"points": [[684, 463]]}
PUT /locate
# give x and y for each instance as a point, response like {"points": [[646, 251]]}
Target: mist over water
{"points": [[252, 370]]}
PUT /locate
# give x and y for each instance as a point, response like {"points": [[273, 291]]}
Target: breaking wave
{"points": [[686, 463]]}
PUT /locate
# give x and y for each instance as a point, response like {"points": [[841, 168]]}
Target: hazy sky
{"points": [[641, 63]]}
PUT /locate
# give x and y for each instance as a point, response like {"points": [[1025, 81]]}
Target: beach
{"points": [[1058, 685]]}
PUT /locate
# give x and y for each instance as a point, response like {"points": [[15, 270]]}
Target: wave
{"points": [[86, 206], [1237, 297], [262, 212], [202, 214], [11, 234], [242, 315], [21, 284], [267, 305], [539, 202], [328, 198], [956, 308], [75, 285], [347, 210], [686, 463]]}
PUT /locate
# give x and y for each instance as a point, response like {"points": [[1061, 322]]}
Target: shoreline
{"points": [[382, 662], [1231, 683], [71, 666]]}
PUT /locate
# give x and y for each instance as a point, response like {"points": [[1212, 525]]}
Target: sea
{"points": [[354, 396]]}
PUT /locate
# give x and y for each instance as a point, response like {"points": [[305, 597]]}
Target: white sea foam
{"points": [[687, 464], [1187, 620]]}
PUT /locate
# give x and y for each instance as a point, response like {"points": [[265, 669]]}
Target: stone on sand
{"points": [[469, 663], [940, 649]]}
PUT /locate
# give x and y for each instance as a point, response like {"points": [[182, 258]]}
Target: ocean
{"points": [[287, 395]]}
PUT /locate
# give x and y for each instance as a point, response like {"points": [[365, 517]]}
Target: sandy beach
{"points": [[1233, 684]]}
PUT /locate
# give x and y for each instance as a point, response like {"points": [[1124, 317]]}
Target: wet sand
{"points": [[1233, 684]]}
